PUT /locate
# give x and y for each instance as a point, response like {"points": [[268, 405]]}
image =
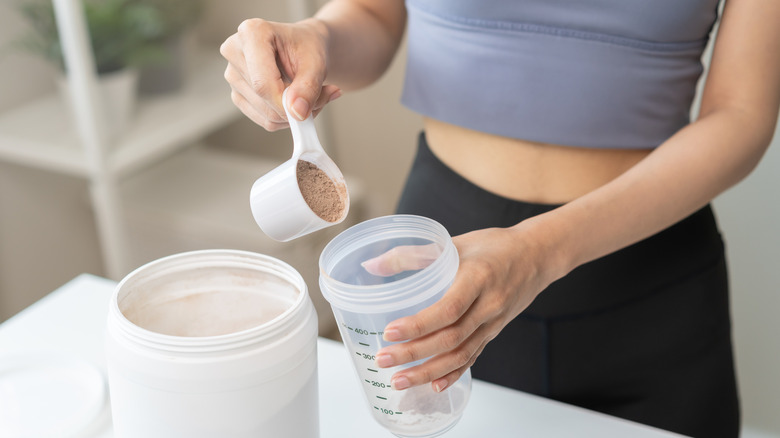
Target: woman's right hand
{"points": [[266, 57]]}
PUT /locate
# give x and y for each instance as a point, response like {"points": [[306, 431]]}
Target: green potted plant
{"points": [[177, 17], [124, 35]]}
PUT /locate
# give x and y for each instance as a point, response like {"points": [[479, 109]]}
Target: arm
{"points": [[739, 112], [346, 45], [503, 270], [363, 38]]}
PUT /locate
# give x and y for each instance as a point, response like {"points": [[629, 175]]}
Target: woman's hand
{"points": [[348, 42], [496, 280], [264, 57]]}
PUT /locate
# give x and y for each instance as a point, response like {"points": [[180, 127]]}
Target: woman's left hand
{"points": [[498, 278]]}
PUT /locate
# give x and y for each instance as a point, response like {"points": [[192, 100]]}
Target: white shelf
{"points": [[203, 192], [199, 199], [42, 134]]}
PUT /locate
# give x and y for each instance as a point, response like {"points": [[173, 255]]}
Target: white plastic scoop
{"points": [[305, 193]]}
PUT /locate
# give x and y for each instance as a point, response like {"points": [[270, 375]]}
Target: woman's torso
{"points": [[523, 170], [544, 101]]}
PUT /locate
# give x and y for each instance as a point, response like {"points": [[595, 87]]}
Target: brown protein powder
{"points": [[320, 192]]}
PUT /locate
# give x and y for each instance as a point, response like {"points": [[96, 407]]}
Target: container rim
{"points": [[406, 291], [216, 258]]}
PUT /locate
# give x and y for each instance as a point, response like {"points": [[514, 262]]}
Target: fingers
{"points": [[264, 120], [259, 49], [449, 335], [251, 104], [445, 369], [450, 350], [449, 338], [402, 258], [445, 312], [445, 382], [450, 332], [492, 286], [328, 94], [253, 89], [264, 58], [305, 89]]}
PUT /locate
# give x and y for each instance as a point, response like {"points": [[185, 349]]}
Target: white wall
{"points": [[749, 216], [47, 232]]}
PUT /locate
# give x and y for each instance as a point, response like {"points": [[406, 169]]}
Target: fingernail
{"points": [[399, 383], [440, 385], [392, 335], [370, 265], [299, 108], [376, 266], [384, 360]]}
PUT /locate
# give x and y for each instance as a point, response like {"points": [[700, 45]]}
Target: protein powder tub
{"points": [[213, 343]]}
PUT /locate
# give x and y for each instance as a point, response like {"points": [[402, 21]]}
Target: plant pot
{"points": [[118, 92], [169, 75]]}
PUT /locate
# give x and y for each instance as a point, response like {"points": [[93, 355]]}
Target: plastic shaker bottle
{"points": [[363, 304]]}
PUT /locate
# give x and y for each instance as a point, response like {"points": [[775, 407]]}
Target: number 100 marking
{"points": [[387, 411]]}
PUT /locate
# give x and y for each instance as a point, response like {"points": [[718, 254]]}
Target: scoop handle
{"points": [[304, 133]]}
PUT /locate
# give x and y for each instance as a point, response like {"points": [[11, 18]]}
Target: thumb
{"points": [[402, 258], [303, 92]]}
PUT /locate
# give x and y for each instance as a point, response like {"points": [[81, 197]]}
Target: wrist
{"points": [[545, 240], [320, 27]]}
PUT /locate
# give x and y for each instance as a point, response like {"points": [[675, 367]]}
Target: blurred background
{"points": [[167, 166]]}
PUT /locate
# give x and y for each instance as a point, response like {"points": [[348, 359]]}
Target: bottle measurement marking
{"points": [[377, 384], [366, 356], [361, 331], [387, 411]]}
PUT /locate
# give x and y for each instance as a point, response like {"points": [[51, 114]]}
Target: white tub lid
{"points": [[49, 394]]}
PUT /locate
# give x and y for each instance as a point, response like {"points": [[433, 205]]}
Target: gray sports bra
{"points": [[589, 73]]}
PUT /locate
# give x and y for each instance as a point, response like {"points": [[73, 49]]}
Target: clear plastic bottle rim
{"points": [[397, 294], [227, 258]]}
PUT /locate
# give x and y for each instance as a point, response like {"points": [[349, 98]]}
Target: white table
{"points": [[70, 320]]}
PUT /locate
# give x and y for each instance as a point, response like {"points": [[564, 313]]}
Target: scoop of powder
{"points": [[320, 192]]}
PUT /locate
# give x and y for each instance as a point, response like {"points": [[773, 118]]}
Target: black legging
{"points": [[643, 333]]}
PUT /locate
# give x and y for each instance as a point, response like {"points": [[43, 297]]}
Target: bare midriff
{"points": [[523, 170]]}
